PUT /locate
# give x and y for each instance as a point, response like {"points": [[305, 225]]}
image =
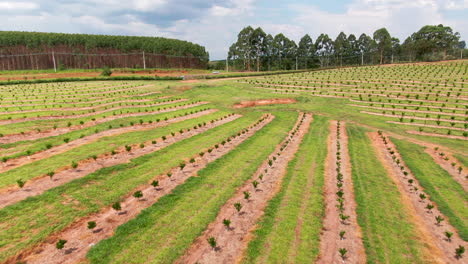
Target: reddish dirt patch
{"points": [[264, 102], [429, 233], [330, 240], [233, 241], [80, 239]]}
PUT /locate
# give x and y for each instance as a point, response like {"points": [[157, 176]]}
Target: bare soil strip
{"points": [[400, 104], [264, 102], [23, 160], [32, 135], [431, 126], [413, 117], [82, 108], [98, 100], [433, 235], [330, 241], [461, 177], [20, 120], [60, 96], [435, 135], [231, 242], [39, 185], [408, 110], [80, 239]]}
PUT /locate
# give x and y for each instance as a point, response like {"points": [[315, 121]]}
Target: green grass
{"points": [[45, 124], [448, 194], [463, 160], [275, 238], [102, 145], [31, 221], [388, 234], [176, 220], [40, 144]]}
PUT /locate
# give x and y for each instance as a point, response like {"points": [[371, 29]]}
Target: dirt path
{"points": [[38, 185], [431, 126], [330, 241], [231, 242], [400, 104], [432, 235], [80, 238], [23, 160], [98, 100], [49, 117], [435, 135], [460, 177], [82, 108], [59, 96], [413, 117], [33, 135], [408, 110]]}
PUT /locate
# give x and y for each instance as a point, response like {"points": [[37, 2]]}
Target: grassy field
{"points": [[300, 199], [448, 194], [177, 219], [405, 101], [384, 219]]}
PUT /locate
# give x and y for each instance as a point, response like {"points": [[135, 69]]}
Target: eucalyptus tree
{"points": [[341, 46], [306, 50], [383, 41], [324, 48], [365, 44], [259, 44]]}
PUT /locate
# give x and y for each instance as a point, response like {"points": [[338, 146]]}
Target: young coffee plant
{"points": [[60, 244], [212, 242]]}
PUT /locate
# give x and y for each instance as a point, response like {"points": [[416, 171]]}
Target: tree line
{"points": [[36, 41], [256, 50]]}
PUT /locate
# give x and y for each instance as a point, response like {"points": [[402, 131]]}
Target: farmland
{"points": [[348, 165]]}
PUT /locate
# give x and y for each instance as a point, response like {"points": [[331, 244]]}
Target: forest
{"points": [[257, 50]]}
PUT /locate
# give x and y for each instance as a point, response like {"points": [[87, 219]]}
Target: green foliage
{"points": [[60, 244], [91, 225], [36, 40], [106, 71]]}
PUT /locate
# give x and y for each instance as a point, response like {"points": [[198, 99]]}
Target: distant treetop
{"points": [[35, 40]]}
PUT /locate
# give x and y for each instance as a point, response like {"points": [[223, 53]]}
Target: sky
{"points": [[215, 23]]}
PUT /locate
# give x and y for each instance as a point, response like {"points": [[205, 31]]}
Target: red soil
{"points": [[435, 135], [232, 242], [80, 239], [31, 135], [432, 235], [264, 102], [23, 160], [330, 240]]}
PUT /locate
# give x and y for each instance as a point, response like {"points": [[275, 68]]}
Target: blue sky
{"points": [[215, 23]]}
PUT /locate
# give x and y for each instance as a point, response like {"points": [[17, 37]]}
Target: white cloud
{"points": [[17, 5]]}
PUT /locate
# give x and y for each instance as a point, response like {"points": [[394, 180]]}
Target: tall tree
{"points": [[395, 47], [258, 43], [435, 38], [244, 45], [285, 50], [306, 50], [324, 49], [384, 42], [341, 46]]}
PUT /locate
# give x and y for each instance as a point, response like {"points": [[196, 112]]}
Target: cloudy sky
{"points": [[215, 23]]}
